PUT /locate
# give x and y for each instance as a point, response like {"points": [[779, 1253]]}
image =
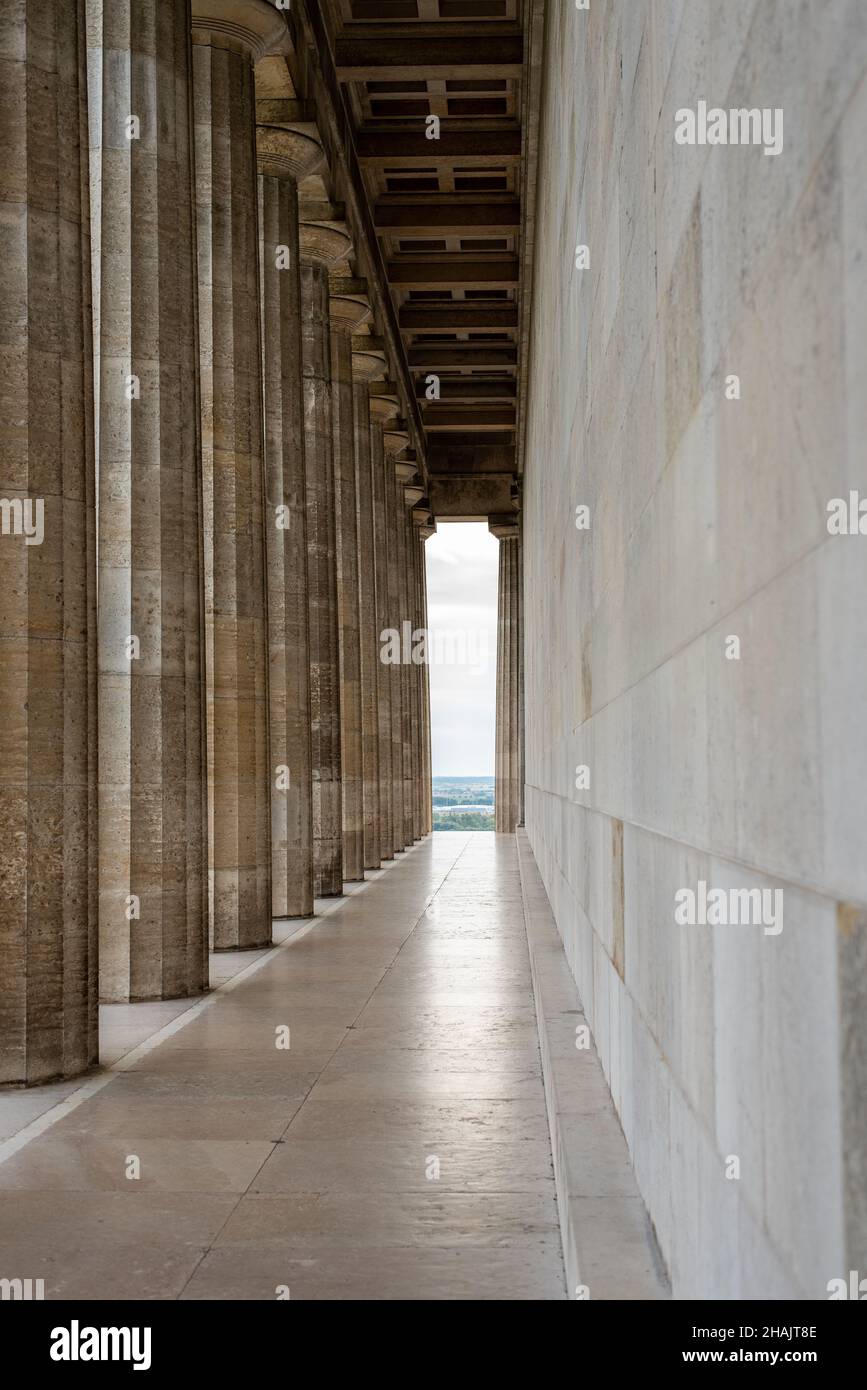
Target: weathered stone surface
{"points": [[405, 669], [509, 733], [233, 469], [413, 672], [347, 312], [367, 616], [284, 157], [321, 249], [393, 513], [48, 887], [427, 783], [383, 672], [153, 895]]}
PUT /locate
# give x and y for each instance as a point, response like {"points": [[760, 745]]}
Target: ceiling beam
{"points": [[449, 456], [474, 148], [455, 417], [470, 497], [469, 440], [444, 214], [459, 316], [370, 55], [499, 274], [461, 355], [470, 388]]}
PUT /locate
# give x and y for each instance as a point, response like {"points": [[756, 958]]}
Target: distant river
{"points": [[448, 809]]}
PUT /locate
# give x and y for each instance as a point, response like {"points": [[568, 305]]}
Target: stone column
{"points": [[410, 494], [153, 899], [403, 472], [349, 308], [382, 409], [228, 35], [322, 248], [285, 157], [427, 802], [415, 704], [417, 519], [395, 440], [48, 902], [509, 734], [368, 362]]}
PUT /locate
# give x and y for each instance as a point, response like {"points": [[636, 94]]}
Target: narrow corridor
{"points": [[398, 1148]]}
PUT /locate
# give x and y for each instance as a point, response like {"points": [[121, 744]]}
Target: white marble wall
{"points": [[707, 519]]}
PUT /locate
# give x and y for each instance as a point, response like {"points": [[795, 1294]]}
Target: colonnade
{"points": [[199, 733]]}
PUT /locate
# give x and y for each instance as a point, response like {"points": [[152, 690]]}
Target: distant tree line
{"points": [[483, 798], [464, 820]]}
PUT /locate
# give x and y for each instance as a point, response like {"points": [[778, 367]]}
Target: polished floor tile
{"points": [[356, 1115]]}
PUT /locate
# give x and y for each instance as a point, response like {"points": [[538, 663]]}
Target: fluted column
{"points": [[48, 889], [383, 408], [509, 733], [405, 626], [153, 923], [413, 667], [285, 156], [368, 363], [418, 680], [427, 784], [321, 249], [349, 309], [227, 36], [394, 441]]}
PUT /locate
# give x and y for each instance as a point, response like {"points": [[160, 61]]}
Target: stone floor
{"points": [[397, 1149]]}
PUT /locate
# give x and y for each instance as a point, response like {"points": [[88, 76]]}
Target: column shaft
{"points": [[501, 816], [233, 468], [48, 904], [286, 550], [508, 746], [347, 603], [395, 668], [418, 726], [378, 464], [368, 629], [406, 666], [415, 706], [153, 924], [427, 803], [325, 749]]}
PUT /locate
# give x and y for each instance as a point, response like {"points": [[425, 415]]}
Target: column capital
{"points": [[369, 363], [348, 303], [504, 527], [413, 493], [384, 401], [404, 470], [323, 245], [395, 440], [286, 154], [421, 512], [246, 26]]}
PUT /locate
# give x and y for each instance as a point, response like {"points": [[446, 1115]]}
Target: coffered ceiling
{"points": [[447, 211]]}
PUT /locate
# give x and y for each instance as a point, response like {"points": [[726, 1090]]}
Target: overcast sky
{"points": [[462, 561]]}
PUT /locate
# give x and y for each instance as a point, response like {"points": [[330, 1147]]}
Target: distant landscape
{"points": [[463, 803]]}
